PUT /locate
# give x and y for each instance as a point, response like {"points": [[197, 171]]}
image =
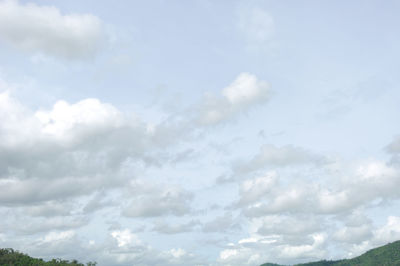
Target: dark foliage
{"points": [[10, 257]]}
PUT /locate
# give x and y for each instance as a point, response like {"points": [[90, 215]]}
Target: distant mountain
{"points": [[387, 255], [10, 257]]}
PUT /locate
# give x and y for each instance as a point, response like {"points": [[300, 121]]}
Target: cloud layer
{"points": [[143, 134]]}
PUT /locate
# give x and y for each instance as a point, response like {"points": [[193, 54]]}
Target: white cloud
{"points": [[90, 147], [66, 120], [375, 170], [369, 181], [252, 190], [292, 199], [227, 253], [375, 179], [389, 232], [15, 116], [246, 89], [240, 256], [359, 239], [43, 29], [306, 250], [257, 250], [131, 250], [52, 244], [288, 225], [334, 201], [353, 234], [244, 92], [125, 237], [69, 150], [177, 252]]}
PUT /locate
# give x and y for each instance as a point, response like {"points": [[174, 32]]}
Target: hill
{"points": [[387, 255], [10, 257]]}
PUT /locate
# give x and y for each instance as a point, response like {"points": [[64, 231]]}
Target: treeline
{"points": [[10, 257]]}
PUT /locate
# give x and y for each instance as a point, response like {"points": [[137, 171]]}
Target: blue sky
{"points": [[199, 132]]}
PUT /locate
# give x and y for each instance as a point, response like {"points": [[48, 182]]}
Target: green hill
{"points": [[10, 257], [387, 255]]}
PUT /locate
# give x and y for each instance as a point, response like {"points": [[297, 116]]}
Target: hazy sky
{"points": [[199, 132]]}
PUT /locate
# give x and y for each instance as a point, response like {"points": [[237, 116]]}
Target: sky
{"points": [[199, 132]]}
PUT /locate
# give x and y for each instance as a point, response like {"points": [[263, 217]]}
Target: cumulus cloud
{"points": [[239, 256], [290, 225], [388, 232], [126, 248], [242, 252], [290, 239], [86, 180], [252, 190], [291, 200], [125, 237], [15, 116], [245, 91], [358, 239], [65, 121], [257, 250], [55, 243], [44, 29], [81, 151], [71, 149], [353, 234], [266, 195], [120, 247], [271, 194], [313, 250]]}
